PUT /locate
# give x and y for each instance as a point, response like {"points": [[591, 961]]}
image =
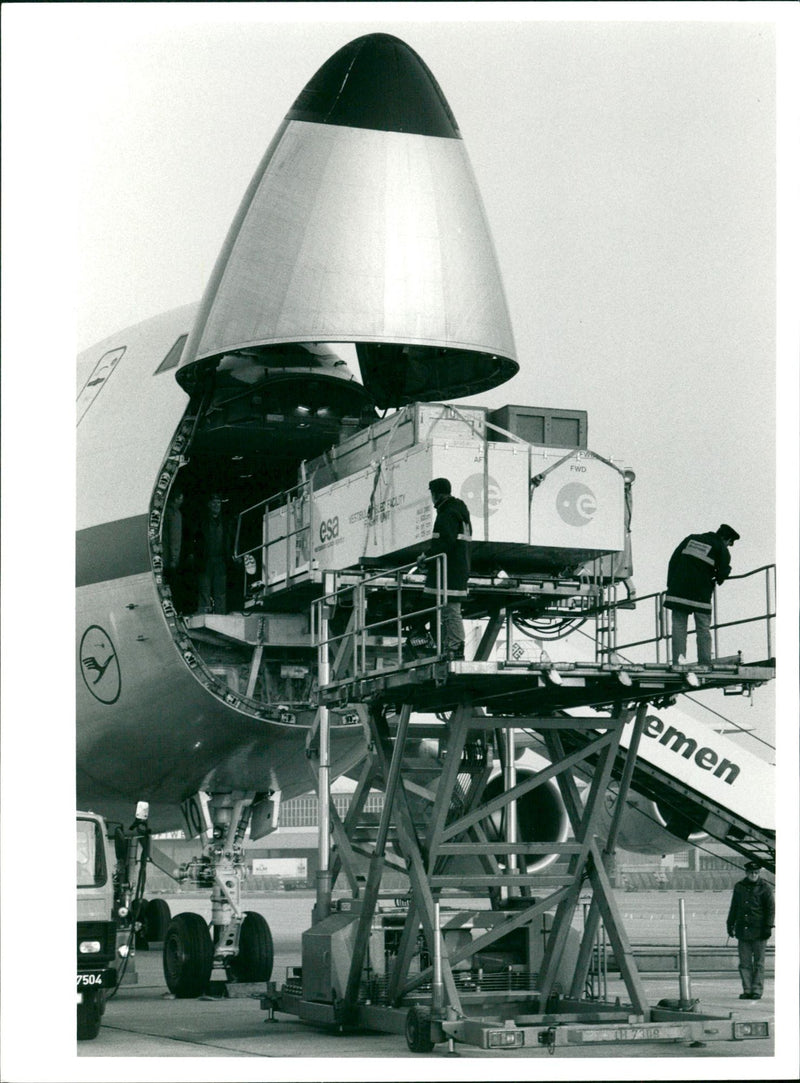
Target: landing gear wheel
{"points": [[188, 956], [254, 961], [418, 1030], [90, 1012], [156, 919]]}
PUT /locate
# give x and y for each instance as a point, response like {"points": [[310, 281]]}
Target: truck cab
{"points": [[96, 929]]}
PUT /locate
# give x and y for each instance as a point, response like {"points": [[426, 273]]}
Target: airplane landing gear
{"points": [[156, 920], [188, 956], [238, 947], [255, 957]]}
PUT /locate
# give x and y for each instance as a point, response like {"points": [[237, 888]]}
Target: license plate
{"points": [[644, 1033], [95, 980]]}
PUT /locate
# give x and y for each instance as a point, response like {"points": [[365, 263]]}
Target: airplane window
{"points": [[174, 355]]}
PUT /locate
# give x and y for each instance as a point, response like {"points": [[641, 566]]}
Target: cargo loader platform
{"points": [[436, 683], [439, 967], [481, 947]]}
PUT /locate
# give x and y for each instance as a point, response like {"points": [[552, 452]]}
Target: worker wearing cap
{"points": [[452, 531], [700, 561], [751, 919]]}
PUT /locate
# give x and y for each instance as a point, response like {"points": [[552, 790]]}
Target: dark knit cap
{"points": [[728, 532]]}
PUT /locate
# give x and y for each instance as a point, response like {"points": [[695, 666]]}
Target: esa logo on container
{"points": [[329, 529], [472, 493], [576, 504]]}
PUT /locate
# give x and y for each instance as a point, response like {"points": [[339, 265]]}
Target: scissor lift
{"points": [[479, 945]]}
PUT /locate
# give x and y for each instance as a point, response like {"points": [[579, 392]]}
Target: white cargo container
{"points": [[534, 509]]}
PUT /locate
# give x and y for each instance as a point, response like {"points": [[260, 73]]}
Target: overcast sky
{"points": [[627, 166]]}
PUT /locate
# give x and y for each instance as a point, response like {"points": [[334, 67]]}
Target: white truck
{"points": [[97, 925]]}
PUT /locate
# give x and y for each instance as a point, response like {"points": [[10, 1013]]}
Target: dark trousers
{"points": [[212, 589], [751, 964]]}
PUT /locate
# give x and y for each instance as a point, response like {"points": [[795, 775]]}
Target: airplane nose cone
{"points": [[364, 224], [377, 82]]}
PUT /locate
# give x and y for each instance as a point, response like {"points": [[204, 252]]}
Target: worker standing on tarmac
{"points": [[751, 919], [452, 531], [700, 561]]}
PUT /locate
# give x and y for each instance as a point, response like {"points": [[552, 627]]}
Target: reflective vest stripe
{"points": [[690, 603], [699, 551]]}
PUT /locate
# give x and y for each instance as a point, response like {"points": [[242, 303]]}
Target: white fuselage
{"points": [[147, 727]]}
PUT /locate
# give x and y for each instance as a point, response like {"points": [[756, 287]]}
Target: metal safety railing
{"points": [[607, 640], [370, 621], [275, 535]]}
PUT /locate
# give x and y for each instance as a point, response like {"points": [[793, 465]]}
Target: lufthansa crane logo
{"points": [[472, 493], [576, 504], [99, 665]]}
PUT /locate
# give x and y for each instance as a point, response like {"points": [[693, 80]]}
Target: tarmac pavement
{"points": [[144, 1020]]}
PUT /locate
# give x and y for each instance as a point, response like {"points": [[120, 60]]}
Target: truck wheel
{"points": [[156, 920], [418, 1030], [90, 1011], [254, 961], [188, 955]]}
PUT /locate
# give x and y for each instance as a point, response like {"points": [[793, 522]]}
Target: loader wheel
{"points": [[156, 920], [188, 956], [254, 961], [90, 1011], [418, 1030]]}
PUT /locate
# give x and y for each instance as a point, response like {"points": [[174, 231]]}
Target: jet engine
{"points": [[652, 826], [647, 827], [541, 816]]}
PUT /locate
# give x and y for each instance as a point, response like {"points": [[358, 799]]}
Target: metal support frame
{"points": [[438, 828], [593, 916], [432, 829]]}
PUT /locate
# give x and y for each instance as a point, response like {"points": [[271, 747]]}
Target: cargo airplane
{"points": [[362, 235], [362, 226]]}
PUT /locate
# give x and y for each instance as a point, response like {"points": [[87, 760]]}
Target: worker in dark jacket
{"points": [[751, 919], [700, 561], [452, 531], [213, 548], [172, 550]]}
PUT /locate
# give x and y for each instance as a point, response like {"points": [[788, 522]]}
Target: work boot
{"points": [[419, 644], [745, 996]]}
